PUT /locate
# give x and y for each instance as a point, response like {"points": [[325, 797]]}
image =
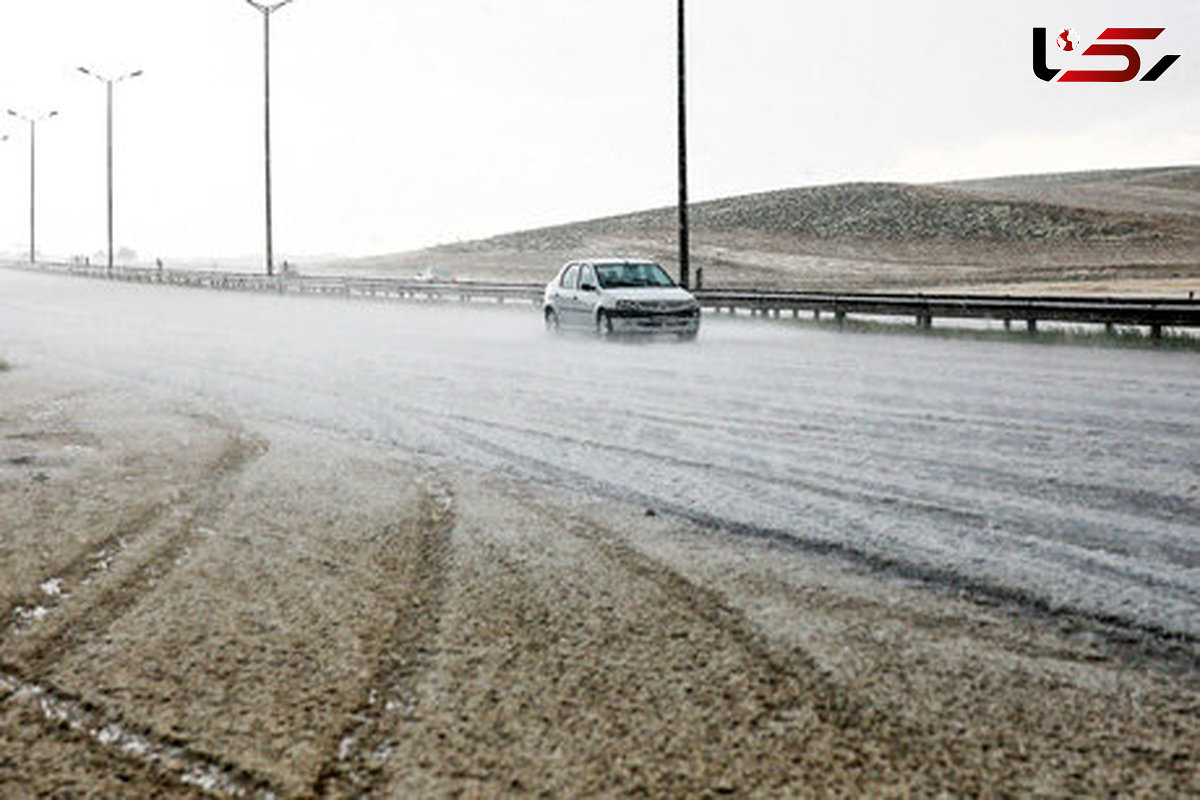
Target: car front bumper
{"points": [[650, 322]]}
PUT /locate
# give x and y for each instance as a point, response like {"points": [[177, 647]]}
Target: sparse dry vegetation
{"points": [[1116, 227]]}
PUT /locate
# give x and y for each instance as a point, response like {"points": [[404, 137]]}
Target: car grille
{"points": [[685, 312], [663, 306]]}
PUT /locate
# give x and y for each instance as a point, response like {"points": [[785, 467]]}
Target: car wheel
{"points": [[604, 328], [552, 320]]}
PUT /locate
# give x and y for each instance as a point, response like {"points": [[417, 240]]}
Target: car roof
{"points": [[607, 261], [604, 261]]}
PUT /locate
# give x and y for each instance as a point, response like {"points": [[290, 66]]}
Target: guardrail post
{"points": [[1031, 325]]}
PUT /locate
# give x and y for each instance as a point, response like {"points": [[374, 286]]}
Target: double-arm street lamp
{"points": [[33, 121], [267, 10], [108, 86]]}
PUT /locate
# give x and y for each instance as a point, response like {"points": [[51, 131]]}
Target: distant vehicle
{"points": [[435, 275], [619, 296]]}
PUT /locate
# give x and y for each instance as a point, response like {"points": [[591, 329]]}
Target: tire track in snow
{"points": [[120, 586], [168, 758], [32, 650], [1120, 630], [368, 741]]}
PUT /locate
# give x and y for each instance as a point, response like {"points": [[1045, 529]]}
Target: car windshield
{"points": [[621, 276]]}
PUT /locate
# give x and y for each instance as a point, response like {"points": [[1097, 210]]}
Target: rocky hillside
{"points": [[859, 212], [1079, 226]]}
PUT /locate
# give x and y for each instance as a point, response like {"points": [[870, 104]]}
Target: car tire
{"points": [[552, 321], [604, 328]]}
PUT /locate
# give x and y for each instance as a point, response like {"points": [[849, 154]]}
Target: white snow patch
{"points": [[35, 614]]}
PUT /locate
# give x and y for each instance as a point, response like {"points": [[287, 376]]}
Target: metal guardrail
{"points": [[1155, 313], [344, 286]]}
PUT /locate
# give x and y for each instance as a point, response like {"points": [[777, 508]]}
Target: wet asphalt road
{"points": [[1062, 479]]}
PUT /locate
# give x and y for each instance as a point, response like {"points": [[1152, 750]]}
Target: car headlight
{"points": [[626, 305]]}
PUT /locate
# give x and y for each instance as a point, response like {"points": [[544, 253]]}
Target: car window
{"points": [[586, 276], [569, 277], [630, 275]]}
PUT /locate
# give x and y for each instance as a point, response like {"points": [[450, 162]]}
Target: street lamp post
{"points": [[267, 10], [684, 258], [33, 121], [108, 86]]}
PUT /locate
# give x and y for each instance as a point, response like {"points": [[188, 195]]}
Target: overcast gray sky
{"points": [[404, 124]]}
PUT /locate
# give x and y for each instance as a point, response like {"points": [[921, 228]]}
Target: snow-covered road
{"points": [[1065, 478]]}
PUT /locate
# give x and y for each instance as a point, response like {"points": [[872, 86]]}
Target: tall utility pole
{"points": [[108, 85], [684, 259], [267, 10], [33, 121]]}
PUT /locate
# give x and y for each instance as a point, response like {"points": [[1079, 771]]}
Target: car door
{"points": [[588, 296], [566, 293]]}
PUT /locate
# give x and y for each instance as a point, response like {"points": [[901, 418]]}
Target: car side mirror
{"points": [[587, 287]]}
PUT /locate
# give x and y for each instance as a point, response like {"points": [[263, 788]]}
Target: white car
{"points": [[619, 296], [435, 275]]}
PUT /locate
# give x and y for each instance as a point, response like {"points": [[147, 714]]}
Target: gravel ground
{"points": [[196, 605]]}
